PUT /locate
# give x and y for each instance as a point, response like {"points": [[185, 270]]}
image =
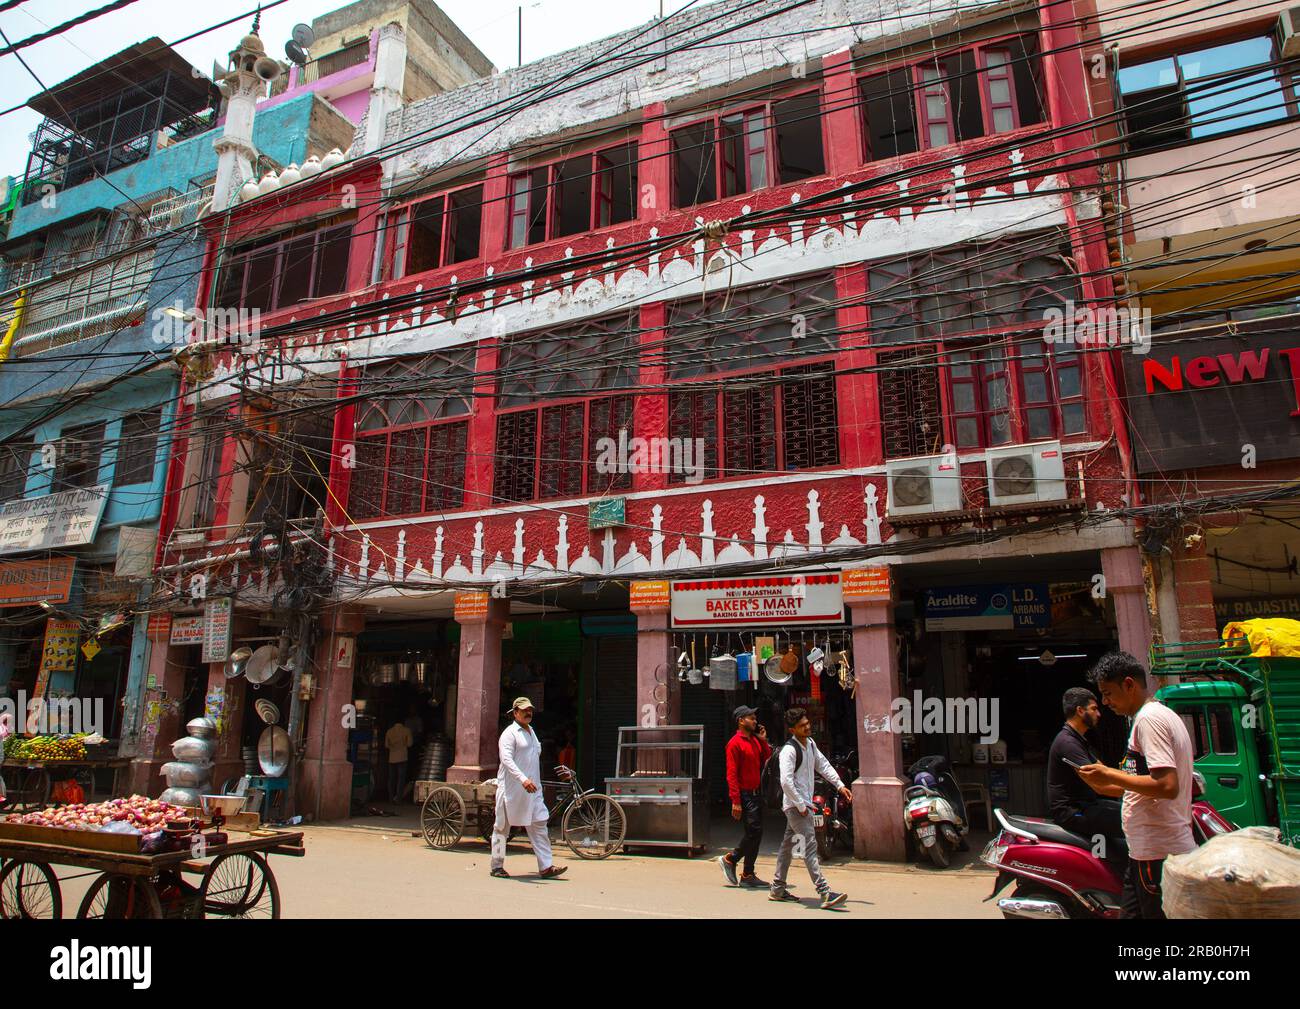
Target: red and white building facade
{"points": [[635, 258]]}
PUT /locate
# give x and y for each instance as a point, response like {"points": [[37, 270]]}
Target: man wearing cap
{"points": [[519, 793], [747, 752]]}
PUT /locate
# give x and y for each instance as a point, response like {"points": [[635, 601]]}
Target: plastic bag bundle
{"points": [[1268, 636], [1244, 874]]}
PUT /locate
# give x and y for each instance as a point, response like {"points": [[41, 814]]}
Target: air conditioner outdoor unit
{"points": [[1024, 474], [924, 484], [1288, 33]]}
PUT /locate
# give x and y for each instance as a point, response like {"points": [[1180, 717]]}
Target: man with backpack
{"points": [[801, 762]]}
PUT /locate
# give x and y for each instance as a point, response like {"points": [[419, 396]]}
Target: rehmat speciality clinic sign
{"points": [[69, 518]]}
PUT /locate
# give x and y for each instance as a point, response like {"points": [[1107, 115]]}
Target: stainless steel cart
{"points": [[659, 782]]}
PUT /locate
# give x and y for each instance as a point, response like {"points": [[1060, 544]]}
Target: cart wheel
{"points": [[442, 818], [112, 896], [240, 885], [29, 890], [594, 826]]}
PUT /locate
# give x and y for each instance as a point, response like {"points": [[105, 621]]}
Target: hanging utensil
{"points": [[237, 663], [262, 665]]}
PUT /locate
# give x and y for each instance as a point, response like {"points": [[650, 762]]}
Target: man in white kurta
{"points": [[519, 792]]}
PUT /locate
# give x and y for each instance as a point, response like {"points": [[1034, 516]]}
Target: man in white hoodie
{"points": [[801, 762]]}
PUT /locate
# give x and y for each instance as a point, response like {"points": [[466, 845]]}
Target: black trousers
{"points": [[1142, 889], [1101, 817], [751, 818]]}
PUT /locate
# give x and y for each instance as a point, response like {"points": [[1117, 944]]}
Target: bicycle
{"points": [[591, 823]]}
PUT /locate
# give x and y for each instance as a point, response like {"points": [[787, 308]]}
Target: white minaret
{"points": [[386, 92], [246, 78]]}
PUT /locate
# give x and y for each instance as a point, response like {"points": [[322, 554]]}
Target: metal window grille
{"points": [[910, 409]]}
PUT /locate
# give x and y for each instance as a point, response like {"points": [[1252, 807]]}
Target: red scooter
{"points": [[1055, 871]]}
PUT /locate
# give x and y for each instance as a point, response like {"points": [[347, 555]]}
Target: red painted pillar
{"points": [[496, 208], [343, 451], [478, 693], [650, 408], [325, 774], [655, 171], [878, 792], [856, 396], [841, 114], [480, 441], [1122, 568], [157, 735]]}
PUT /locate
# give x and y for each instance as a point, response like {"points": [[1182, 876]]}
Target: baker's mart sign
{"points": [[797, 599], [69, 518]]}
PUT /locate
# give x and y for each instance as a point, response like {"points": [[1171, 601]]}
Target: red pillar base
{"points": [[329, 784], [478, 695], [878, 819]]}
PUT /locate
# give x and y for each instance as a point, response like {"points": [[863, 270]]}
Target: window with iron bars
{"points": [[763, 325], [766, 422], [15, 464], [545, 448], [77, 455], [968, 289], [998, 392], [411, 437]]}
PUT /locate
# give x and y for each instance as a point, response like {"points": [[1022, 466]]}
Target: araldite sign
{"points": [[790, 600], [1209, 398]]}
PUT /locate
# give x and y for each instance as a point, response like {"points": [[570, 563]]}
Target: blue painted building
{"points": [[101, 241]]}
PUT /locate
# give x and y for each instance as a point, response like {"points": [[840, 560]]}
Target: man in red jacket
{"points": [[747, 752]]}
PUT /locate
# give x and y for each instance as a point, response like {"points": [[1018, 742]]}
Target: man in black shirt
{"points": [[1074, 805]]}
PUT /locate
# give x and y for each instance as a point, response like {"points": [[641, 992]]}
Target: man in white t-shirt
{"points": [[1155, 780]]}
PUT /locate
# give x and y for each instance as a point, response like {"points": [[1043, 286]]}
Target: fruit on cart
{"points": [[46, 747], [138, 813]]}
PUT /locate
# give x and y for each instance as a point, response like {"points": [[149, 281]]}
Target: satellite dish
{"points": [[303, 35], [296, 53]]}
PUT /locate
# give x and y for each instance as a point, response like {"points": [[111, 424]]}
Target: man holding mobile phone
{"points": [[1074, 805], [747, 752]]}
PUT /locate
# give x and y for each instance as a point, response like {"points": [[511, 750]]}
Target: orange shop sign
{"points": [[471, 606], [48, 579], [871, 584], [648, 597]]}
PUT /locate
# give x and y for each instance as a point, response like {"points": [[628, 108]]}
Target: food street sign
{"points": [[804, 600], [48, 579], [67, 519]]}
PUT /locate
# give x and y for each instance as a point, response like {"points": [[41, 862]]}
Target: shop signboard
{"points": [[59, 655], [48, 579], [867, 585], [1251, 608], [69, 518], [216, 630], [187, 631], [607, 513], [471, 607], [1200, 399], [987, 607], [159, 627], [649, 596], [135, 550], [802, 600]]}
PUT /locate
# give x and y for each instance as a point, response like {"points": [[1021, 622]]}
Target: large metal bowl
{"points": [[262, 667], [226, 805], [273, 751]]}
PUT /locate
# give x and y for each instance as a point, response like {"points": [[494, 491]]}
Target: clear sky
{"points": [[550, 26]]}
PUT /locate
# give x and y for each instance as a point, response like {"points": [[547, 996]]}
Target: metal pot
{"points": [[201, 727], [387, 673], [406, 671], [192, 749], [183, 774], [182, 796], [262, 667]]}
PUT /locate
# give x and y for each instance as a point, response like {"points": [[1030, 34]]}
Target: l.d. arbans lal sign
{"points": [[765, 601], [1209, 398]]}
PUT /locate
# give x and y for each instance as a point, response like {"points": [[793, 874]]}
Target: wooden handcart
{"points": [[233, 879], [591, 824]]}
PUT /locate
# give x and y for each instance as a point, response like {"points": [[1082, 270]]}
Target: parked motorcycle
{"points": [[1056, 872], [934, 811]]}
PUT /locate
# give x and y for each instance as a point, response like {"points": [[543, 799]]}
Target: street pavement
{"points": [[376, 870]]}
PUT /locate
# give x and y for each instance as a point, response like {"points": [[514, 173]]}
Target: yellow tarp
{"points": [[1268, 637], [11, 330]]}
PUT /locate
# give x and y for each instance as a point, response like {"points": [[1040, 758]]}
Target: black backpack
{"points": [[771, 778]]}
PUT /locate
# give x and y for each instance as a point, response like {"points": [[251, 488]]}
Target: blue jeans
{"points": [[396, 781]]}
